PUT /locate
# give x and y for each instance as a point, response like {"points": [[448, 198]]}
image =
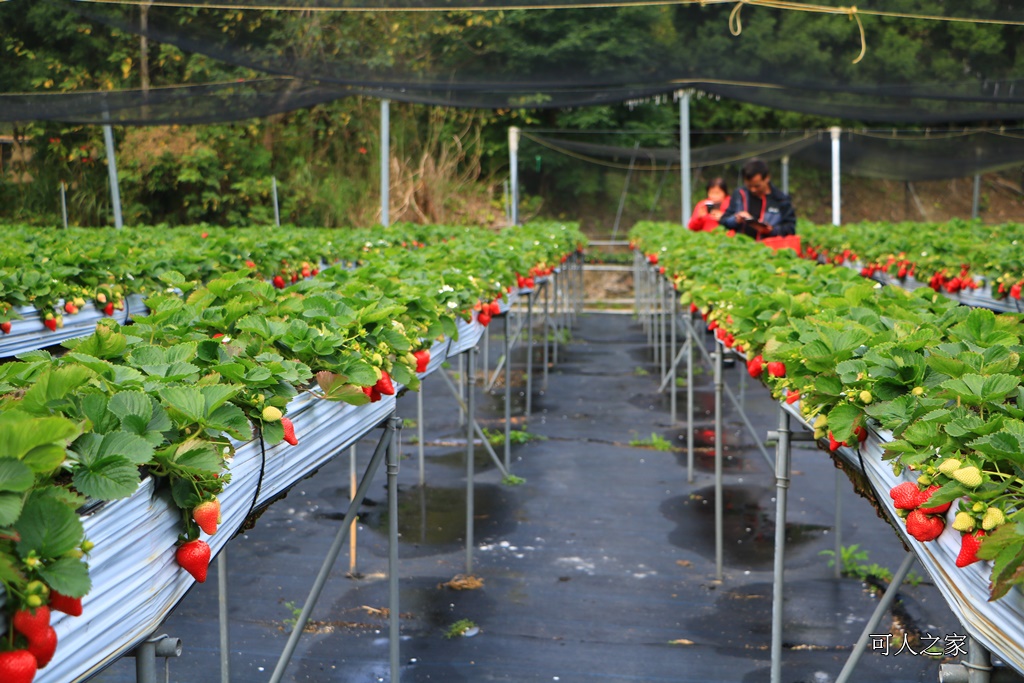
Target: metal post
{"points": [[559, 303], [883, 606], [837, 570], [277, 207], [145, 662], [486, 356], [976, 196], [529, 353], [625, 190], [352, 554], [508, 389], [334, 550], [385, 162], [222, 615], [513, 163], [419, 434], [684, 153], [672, 377], [508, 204], [115, 191], [785, 174], [663, 339], [782, 472], [462, 392], [690, 341], [548, 331], [979, 661], [719, 503], [836, 131], [393, 610], [64, 204], [471, 403]]}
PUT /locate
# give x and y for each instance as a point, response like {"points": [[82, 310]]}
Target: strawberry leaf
{"points": [[15, 476], [107, 478], [10, 508], [68, 576], [103, 343], [47, 527]]}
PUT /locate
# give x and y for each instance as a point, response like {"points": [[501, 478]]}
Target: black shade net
{"points": [[880, 155], [523, 59]]}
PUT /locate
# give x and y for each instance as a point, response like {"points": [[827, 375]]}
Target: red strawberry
{"points": [[384, 384], [652, 259], [295, 278], [483, 318], [1015, 291], [693, 308], [51, 324], [17, 666], [777, 369], [713, 325], [306, 272], [109, 308], [43, 646], [375, 395], [279, 282], [924, 527], [755, 366], [289, 431], [792, 397], [62, 603], [833, 445], [422, 359], [861, 433], [661, 270], [5, 326], [250, 263], [194, 557], [495, 308], [315, 272], [207, 515], [70, 308], [935, 509], [969, 544], [32, 622], [906, 496], [205, 235]]}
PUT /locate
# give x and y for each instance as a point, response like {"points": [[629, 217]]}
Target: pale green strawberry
{"points": [[949, 466], [964, 521], [968, 476], [993, 518]]}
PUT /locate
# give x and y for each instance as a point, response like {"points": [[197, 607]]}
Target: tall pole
{"points": [[836, 131], [513, 162], [785, 174], [385, 161], [976, 197], [64, 204], [684, 153], [115, 192], [277, 207]]}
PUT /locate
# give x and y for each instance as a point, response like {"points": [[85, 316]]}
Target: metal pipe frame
{"points": [[508, 395], [690, 341], [147, 651], [783, 468], [391, 425], [719, 523], [529, 353], [394, 614], [473, 425], [470, 452], [222, 615]]}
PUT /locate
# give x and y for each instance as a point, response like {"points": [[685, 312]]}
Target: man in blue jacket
{"points": [[759, 210]]}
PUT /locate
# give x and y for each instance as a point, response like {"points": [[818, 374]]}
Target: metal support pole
{"points": [[782, 472], [513, 163], [222, 615], [115, 190], [529, 353], [394, 613], [548, 332], [508, 204], [672, 371], [625, 190], [979, 662], [508, 390], [719, 503], [837, 570], [334, 550], [684, 153], [785, 174], [462, 391], [277, 206], [469, 467], [486, 356], [836, 131], [663, 338], [352, 542], [385, 162], [419, 435], [976, 196], [690, 341], [559, 304], [64, 204], [147, 651], [883, 606]]}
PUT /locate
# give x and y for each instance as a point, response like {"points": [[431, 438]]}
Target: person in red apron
{"points": [[709, 210], [759, 210]]}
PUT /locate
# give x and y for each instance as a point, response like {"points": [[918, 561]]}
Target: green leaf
{"points": [[51, 387], [969, 389], [841, 421], [180, 353], [94, 406], [217, 395], [230, 418], [9, 571], [401, 373], [998, 387], [999, 445], [132, 447], [198, 457], [131, 403], [68, 576], [187, 404], [44, 459], [828, 385], [395, 339], [947, 366], [273, 433], [234, 372], [361, 373], [48, 527], [15, 475], [851, 371], [10, 509], [20, 433], [108, 478], [184, 493], [103, 343], [964, 425]]}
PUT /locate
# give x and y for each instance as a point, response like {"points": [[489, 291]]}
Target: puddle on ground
{"points": [[748, 531], [482, 461], [433, 519]]}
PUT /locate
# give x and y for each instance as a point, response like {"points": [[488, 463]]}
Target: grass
{"points": [[512, 480], [516, 437], [640, 372], [459, 627], [854, 562], [656, 442]]}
